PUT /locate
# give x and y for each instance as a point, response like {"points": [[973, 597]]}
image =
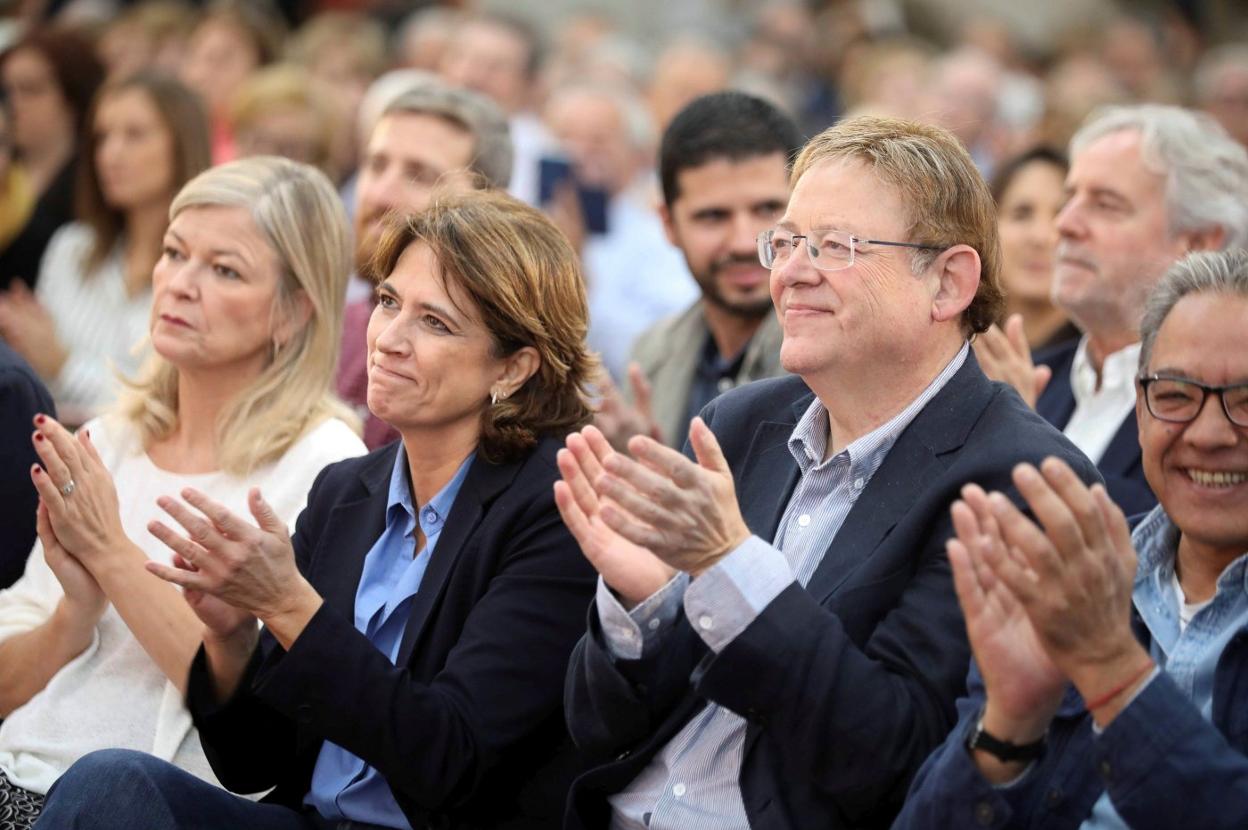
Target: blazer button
{"points": [[1053, 798], [303, 713], [984, 814]]}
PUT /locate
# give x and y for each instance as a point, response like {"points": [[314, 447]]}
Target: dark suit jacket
{"points": [[1121, 466], [22, 396], [848, 684], [466, 726]]}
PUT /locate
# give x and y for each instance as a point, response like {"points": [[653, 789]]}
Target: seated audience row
{"points": [[366, 671]]}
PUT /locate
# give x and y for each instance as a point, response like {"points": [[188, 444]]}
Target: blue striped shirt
{"points": [[692, 783]]}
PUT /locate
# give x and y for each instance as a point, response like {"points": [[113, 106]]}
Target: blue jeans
{"points": [[120, 789]]}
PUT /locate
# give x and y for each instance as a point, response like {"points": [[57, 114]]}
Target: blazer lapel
{"points": [[482, 485], [1123, 453], [361, 518], [769, 474], [907, 470]]}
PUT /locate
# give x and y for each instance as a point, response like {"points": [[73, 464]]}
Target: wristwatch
{"points": [[1002, 750]]}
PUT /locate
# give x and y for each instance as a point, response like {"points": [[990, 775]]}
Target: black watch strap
{"points": [[1002, 750]]}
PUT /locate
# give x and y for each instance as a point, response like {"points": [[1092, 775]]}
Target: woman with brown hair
{"points": [[418, 624], [148, 137], [48, 79]]}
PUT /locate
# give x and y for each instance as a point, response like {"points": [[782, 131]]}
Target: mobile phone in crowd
{"points": [[554, 171]]}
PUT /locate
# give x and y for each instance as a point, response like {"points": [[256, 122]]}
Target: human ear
{"points": [[957, 271], [518, 367]]}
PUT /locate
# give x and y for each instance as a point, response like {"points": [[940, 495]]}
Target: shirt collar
{"points": [[1118, 372], [1156, 541], [432, 515], [809, 440]]}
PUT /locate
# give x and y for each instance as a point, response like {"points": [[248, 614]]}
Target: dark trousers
{"points": [[119, 789]]}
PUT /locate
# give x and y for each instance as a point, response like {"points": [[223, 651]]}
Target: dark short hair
{"points": [[525, 282], [723, 125], [1004, 175]]}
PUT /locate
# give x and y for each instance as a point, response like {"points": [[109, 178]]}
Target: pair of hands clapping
{"points": [[1046, 601], [639, 520], [232, 572]]}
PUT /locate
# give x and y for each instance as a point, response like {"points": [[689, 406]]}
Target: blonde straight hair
{"points": [[298, 212]]}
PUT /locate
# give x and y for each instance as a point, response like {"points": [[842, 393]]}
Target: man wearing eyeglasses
{"points": [[1147, 184], [1110, 667], [775, 641]]}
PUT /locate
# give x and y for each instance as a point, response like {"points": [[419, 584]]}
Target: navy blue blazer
{"points": [[466, 726], [848, 684], [22, 396], [1121, 466]]}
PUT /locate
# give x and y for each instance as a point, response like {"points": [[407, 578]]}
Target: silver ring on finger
{"points": [[67, 489]]}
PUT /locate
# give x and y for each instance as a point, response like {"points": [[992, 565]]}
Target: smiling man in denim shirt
{"points": [[1153, 733]]}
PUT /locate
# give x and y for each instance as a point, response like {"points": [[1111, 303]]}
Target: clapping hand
{"points": [[686, 513], [630, 570], [1074, 577], [620, 421], [78, 495], [28, 327], [1023, 685], [1005, 356], [248, 567]]}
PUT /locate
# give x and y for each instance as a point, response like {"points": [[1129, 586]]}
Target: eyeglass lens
{"points": [[1177, 400]]}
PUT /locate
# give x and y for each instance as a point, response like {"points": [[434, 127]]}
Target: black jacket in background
{"points": [[20, 260], [22, 396]]}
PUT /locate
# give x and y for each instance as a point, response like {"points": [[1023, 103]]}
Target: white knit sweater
{"points": [[113, 695]]}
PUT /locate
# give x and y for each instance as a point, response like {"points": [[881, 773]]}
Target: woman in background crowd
{"points": [[1029, 193], [231, 41], [245, 324], [49, 78], [148, 137]]}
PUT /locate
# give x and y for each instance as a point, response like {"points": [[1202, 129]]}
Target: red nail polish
{"points": [[38, 436], [38, 470], [39, 419]]}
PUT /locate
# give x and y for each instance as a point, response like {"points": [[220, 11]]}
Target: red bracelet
{"points": [[1093, 705]]}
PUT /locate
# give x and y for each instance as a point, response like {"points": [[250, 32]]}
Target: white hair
{"points": [[1206, 170]]}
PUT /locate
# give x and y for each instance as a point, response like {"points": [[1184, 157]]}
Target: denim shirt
{"points": [[344, 786], [1189, 656]]}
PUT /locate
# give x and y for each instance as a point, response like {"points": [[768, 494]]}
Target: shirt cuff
{"points": [[1096, 727], [631, 635], [726, 598]]}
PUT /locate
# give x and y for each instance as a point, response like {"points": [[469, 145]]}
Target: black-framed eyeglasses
{"points": [[828, 249], [1179, 400]]}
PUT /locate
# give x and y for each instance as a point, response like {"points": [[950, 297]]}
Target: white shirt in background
{"points": [[100, 325], [1099, 413]]}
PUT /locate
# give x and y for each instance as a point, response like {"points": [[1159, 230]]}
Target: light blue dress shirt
{"points": [[344, 787], [1188, 655]]}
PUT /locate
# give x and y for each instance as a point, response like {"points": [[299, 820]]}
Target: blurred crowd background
{"points": [[591, 83]]}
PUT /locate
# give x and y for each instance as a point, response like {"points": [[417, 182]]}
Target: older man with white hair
{"points": [[1147, 185]]}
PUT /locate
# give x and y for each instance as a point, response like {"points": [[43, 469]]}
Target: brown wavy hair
{"points": [[526, 283]]}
